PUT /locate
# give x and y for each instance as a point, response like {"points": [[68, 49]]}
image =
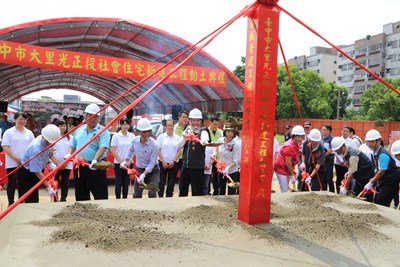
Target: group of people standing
{"points": [[308, 158], [22, 148], [363, 169], [184, 147]]}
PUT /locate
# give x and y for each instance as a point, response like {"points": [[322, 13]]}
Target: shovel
{"points": [[231, 183], [150, 187]]}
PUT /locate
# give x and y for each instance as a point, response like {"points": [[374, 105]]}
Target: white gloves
{"points": [[202, 142], [226, 171], [51, 166], [343, 191], [124, 164], [292, 179], [50, 191], [94, 161], [302, 166], [308, 180], [67, 156], [368, 186], [141, 178]]}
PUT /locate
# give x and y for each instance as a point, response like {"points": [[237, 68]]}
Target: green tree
{"points": [[344, 100], [311, 90], [317, 98], [381, 103], [239, 71], [354, 114]]}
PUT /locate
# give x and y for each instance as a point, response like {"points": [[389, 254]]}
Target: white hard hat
{"points": [[298, 130], [144, 125], [51, 133], [372, 135], [396, 147], [195, 114], [92, 109], [337, 142], [315, 135]]}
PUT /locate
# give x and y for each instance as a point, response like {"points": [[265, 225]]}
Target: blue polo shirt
{"points": [[383, 162], [37, 164], [81, 136]]}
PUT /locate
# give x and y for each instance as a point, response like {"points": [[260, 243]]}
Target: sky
{"points": [[340, 22]]}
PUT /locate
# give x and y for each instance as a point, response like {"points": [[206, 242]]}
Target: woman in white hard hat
{"points": [[146, 150], [288, 158], [313, 162], [387, 173], [32, 172]]}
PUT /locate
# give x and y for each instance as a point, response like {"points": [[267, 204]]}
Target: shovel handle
{"points": [[229, 178]]}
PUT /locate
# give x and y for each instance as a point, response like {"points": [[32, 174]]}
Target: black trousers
{"points": [[26, 181], [11, 186], [340, 172], [193, 177], [87, 180], [329, 174], [216, 180], [167, 177], [386, 193], [62, 177], [122, 179], [223, 182]]}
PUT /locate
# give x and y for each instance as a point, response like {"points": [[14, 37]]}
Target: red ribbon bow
{"points": [[219, 164], [191, 137], [132, 172], [79, 162]]}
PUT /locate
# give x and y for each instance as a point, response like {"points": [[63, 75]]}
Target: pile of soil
{"points": [[308, 216], [317, 218]]}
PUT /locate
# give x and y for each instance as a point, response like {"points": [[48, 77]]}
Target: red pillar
{"points": [[259, 115]]}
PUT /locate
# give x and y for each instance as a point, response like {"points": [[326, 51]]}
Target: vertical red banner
{"points": [[259, 115]]}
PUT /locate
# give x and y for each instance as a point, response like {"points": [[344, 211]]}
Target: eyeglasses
{"points": [[148, 131]]}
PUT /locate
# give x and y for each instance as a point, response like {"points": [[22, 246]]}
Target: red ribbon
{"points": [[132, 173], [366, 191], [191, 137], [54, 184], [219, 164], [79, 162]]}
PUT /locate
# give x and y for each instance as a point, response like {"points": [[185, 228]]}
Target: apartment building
{"points": [[321, 60], [380, 53]]}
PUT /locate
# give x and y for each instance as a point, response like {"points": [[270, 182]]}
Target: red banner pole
{"points": [[259, 114]]}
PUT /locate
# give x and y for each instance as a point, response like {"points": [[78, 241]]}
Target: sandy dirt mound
{"points": [[309, 217]]}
